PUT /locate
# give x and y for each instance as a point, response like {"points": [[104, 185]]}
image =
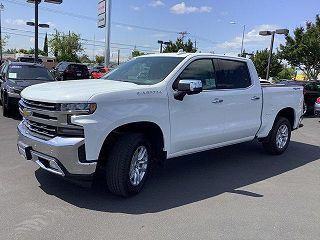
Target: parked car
{"points": [[100, 73], [15, 77], [153, 108], [95, 69], [70, 71], [311, 92], [317, 107], [264, 81]]}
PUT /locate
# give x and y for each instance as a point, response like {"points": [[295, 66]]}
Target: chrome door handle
{"points": [[217, 100], [255, 98]]}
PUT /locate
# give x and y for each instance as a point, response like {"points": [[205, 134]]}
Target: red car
{"points": [[100, 73]]}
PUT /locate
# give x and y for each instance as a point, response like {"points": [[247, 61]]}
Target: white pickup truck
{"points": [[149, 109]]}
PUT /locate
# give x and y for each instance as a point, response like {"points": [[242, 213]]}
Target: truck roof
{"points": [[184, 55]]}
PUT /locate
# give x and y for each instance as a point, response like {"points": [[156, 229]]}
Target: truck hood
{"points": [[74, 90]]}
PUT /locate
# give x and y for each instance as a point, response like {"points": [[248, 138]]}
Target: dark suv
{"points": [[70, 71], [15, 77]]}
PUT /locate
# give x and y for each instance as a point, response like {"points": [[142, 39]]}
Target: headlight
{"points": [[88, 108], [13, 90]]}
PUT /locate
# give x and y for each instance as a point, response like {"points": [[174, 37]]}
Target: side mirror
{"points": [[188, 86]]}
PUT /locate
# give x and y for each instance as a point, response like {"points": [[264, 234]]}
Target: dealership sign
{"points": [[102, 12]]}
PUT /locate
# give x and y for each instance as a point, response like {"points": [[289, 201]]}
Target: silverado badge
{"points": [[26, 113]]}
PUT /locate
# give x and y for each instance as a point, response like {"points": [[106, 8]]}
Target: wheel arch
{"points": [[151, 129], [289, 114]]}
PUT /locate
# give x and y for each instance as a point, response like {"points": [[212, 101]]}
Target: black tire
{"points": [[270, 142], [119, 161], [6, 112]]}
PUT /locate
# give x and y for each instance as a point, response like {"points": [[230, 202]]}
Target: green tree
{"points": [[260, 60], [85, 58], [303, 49], [179, 44], [287, 73], [11, 51], [99, 59], [45, 46], [31, 51], [136, 53], [4, 41], [66, 47]]}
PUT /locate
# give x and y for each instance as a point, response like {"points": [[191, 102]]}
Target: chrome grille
{"points": [[45, 120], [40, 105], [42, 129]]}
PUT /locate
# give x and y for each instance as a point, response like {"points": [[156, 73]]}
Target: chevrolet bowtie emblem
{"points": [[26, 113]]}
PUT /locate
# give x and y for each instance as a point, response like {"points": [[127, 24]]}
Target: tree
{"points": [[4, 41], [179, 44], [136, 53], [99, 59], [260, 60], [66, 47], [303, 49], [45, 46], [85, 58], [31, 51], [11, 51], [287, 73]]}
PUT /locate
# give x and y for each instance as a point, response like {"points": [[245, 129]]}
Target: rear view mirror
{"points": [[188, 86]]}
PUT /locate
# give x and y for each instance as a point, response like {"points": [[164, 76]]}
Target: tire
{"points": [[278, 139], [120, 164]]}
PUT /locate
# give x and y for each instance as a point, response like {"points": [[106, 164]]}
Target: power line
{"points": [[82, 39], [80, 16], [130, 47]]}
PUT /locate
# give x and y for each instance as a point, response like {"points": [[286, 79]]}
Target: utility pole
{"points": [[37, 25], [1, 47], [244, 29], [270, 54], [118, 56], [36, 31], [162, 43], [107, 28], [195, 45], [94, 47], [183, 34], [283, 31]]}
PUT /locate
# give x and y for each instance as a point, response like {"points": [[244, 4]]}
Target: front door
{"points": [[197, 121]]}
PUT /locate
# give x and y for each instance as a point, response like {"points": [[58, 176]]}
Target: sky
{"points": [[141, 23]]}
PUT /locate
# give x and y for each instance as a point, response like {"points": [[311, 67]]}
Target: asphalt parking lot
{"points": [[237, 192]]}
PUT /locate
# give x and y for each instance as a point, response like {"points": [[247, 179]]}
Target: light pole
{"points": [[242, 40], [161, 44], [272, 33], [36, 24], [1, 9]]}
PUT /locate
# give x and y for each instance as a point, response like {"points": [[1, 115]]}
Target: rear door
{"points": [[242, 99]]}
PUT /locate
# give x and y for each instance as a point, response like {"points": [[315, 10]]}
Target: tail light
{"points": [[318, 100]]}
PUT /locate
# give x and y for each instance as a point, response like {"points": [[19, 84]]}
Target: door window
{"points": [[201, 69], [233, 75]]}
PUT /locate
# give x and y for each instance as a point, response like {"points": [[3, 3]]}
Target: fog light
{"points": [[54, 165]]}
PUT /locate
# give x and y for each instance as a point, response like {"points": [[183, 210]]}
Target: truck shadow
{"points": [[188, 179]]}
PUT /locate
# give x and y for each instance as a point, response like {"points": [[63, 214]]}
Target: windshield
{"points": [[29, 72], [144, 70]]}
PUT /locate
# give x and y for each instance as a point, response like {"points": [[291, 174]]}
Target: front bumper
{"points": [[60, 155]]}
